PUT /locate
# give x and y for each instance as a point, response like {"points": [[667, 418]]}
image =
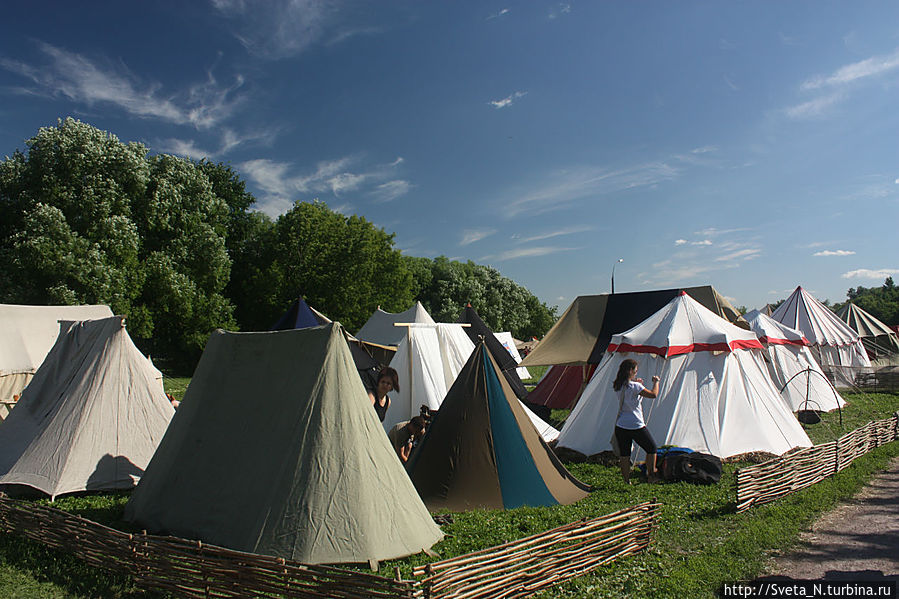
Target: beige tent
{"points": [[26, 335], [583, 332], [90, 419], [879, 340], [276, 450]]}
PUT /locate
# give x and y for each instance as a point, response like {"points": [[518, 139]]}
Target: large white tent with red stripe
{"points": [[836, 347], [792, 366], [715, 394]]}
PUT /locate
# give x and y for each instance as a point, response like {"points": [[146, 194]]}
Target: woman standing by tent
{"points": [[629, 425]]}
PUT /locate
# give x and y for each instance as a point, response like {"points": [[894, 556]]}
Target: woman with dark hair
{"points": [[388, 380], [629, 425]]}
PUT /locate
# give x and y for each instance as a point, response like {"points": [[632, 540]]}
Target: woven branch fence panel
{"points": [[766, 482], [522, 567], [190, 568]]}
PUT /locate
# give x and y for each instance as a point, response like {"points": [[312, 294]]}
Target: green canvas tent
{"points": [[276, 450], [481, 450]]}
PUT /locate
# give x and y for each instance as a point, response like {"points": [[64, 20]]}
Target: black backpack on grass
{"points": [[697, 468]]}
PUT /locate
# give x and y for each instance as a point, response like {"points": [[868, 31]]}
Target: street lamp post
{"points": [[620, 260]]}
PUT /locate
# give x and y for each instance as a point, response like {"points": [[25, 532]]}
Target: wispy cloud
{"points": [[866, 273], [562, 9], [470, 236], [834, 253], [733, 86], [387, 192], [87, 81], [699, 242], [744, 254], [693, 260], [507, 100], [229, 139], [280, 185], [557, 233], [501, 13], [836, 85], [870, 67], [181, 147], [566, 187], [530, 252]]}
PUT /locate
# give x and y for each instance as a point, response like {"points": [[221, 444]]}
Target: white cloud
{"points": [[563, 9], [568, 186], [83, 80], [744, 254], [501, 13], [814, 108], [865, 273], [557, 233], [680, 242], [531, 252], [834, 253], [507, 100], [470, 236], [387, 192], [713, 232], [181, 147], [870, 67], [281, 187]]}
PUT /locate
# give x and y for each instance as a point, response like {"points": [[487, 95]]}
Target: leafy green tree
{"points": [[882, 302], [85, 218]]}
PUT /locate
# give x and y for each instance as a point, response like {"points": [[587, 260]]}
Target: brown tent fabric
{"points": [[583, 332], [482, 451]]}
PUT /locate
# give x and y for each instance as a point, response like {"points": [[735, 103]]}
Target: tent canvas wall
{"points": [[478, 328], [379, 327], [792, 366], [482, 452], [715, 394], [561, 385], [508, 341], [879, 340], [26, 335], [836, 347], [276, 450], [90, 419], [427, 362]]}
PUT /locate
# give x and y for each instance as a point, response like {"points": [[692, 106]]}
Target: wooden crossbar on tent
{"points": [[771, 480]]}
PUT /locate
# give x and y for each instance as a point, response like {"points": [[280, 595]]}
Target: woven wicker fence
{"points": [[196, 570], [520, 568], [190, 568], [775, 478]]}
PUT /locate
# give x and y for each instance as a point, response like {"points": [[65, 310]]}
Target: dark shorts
{"points": [[639, 436]]}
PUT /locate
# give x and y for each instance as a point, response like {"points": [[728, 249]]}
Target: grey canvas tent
{"points": [[91, 417], [276, 450], [879, 340], [26, 335], [380, 329]]}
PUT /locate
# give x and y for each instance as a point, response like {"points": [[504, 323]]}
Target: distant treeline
{"points": [[881, 302], [175, 245]]}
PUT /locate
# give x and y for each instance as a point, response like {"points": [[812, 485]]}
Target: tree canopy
{"points": [[881, 302]]}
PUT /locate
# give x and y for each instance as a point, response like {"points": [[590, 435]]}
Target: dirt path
{"points": [[859, 540]]}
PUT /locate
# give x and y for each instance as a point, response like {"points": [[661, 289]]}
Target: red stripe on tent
{"points": [[770, 341], [676, 350]]}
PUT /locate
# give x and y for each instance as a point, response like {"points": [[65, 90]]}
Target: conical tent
{"points": [[276, 450], [582, 334], [508, 366], [836, 347], [427, 362], [27, 333], [482, 452], [715, 394], [300, 316], [90, 419], [379, 328], [879, 340], [792, 366], [561, 385]]}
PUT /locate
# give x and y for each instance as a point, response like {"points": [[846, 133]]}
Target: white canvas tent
{"points": [[26, 335], [715, 395], [508, 342], [427, 361], [379, 327], [91, 417], [792, 366], [837, 348]]}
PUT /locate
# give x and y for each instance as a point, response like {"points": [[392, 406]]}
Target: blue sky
{"points": [[750, 145]]}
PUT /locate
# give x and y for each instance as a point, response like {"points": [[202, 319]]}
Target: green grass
{"points": [[176, 386], [701, 542]]}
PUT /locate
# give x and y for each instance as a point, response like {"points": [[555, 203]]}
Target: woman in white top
{"points": [[629, 425]]}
